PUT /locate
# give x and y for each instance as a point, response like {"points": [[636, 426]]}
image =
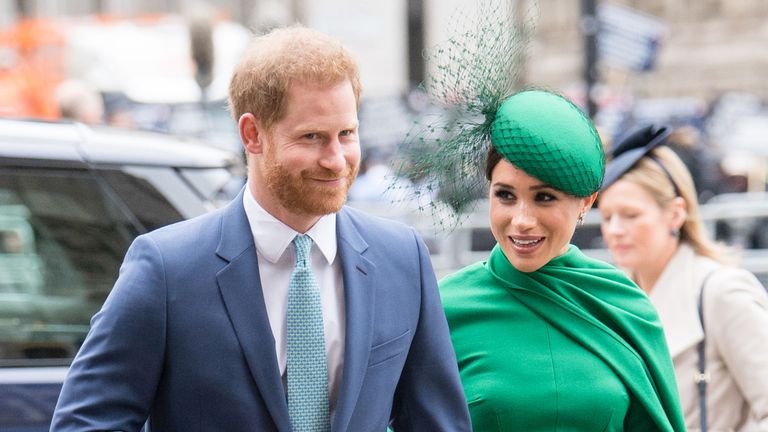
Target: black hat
{"points": [[631, 149]]}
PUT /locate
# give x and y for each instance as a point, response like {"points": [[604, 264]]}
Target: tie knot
{"points": [[302, 243]]}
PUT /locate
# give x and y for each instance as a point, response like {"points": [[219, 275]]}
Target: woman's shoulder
{"points": [[464, 276], [467, 290], [574, 257], [729, 281], [579, 264]]}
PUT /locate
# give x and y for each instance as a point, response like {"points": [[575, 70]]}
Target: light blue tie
{"points": [[307, 368]]}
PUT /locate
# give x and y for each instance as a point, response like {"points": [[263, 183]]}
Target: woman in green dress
{"points": [[546, 338]]}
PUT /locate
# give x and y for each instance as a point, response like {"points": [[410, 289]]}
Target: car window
{"points": [[62, 239], [151, 209], [217, 185]]}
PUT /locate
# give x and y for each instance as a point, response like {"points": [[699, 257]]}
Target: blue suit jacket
{"points": [[184, 340]]}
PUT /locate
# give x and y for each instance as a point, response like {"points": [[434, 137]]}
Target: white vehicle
{"points": [[72, 199]]}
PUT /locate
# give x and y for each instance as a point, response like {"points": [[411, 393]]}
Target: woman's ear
{"points": [[679, 213], [589, 202], [251, 133]]}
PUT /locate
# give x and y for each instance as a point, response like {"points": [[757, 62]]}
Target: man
{"points": [[209, 326]]}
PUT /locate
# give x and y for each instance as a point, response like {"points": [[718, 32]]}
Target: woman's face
{"points": [[532, 222], [636, 229]]}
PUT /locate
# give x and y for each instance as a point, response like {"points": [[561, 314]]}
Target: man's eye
{"points": [[310, 136]]}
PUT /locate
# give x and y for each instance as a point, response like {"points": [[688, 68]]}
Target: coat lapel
{"points": [[358, 274], [241, 290], [675, 297]]}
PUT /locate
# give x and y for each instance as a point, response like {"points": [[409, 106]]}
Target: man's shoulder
{"points": [[199, 233], [391, 237], [367, 222], [197, 225]]}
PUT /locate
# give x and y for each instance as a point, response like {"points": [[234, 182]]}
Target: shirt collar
{"points": [[272, 237]]}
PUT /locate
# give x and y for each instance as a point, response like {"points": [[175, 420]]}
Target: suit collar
{"points": [[272, 237], [240, 287], [348, 231], [358, 273], [235, 231]]}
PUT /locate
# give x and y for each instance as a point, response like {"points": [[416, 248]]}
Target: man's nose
{"points": [[333, 156]]}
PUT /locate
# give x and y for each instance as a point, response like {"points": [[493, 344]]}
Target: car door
{"points": [[63, 234]]}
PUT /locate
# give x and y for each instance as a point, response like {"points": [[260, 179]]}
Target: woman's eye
{"points": [[545, 197], [504, 195]]}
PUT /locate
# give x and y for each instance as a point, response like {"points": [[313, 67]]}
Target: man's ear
{"points": [[252, 134]]}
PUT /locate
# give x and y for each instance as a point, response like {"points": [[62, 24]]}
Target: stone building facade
{"points": [[710, 47]]}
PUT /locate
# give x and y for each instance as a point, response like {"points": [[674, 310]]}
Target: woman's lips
{"points": [[526, 244]]}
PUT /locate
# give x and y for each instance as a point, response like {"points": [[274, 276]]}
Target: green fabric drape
{"points": [[597, 309]]}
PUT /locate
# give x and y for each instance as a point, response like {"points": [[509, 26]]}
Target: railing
{"points": [[739, 220]]}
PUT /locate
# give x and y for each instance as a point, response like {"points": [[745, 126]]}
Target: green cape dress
{"points": [[573, 346]]}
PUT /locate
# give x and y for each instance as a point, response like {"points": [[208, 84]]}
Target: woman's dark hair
{"points": [[491, 160]]}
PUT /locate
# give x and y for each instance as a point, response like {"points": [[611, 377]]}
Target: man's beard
{"points": [[299, 193]]}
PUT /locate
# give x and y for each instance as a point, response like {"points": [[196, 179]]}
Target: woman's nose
{"points": [[612, 226], [524, 219]]}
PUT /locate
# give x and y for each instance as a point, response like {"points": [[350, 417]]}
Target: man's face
{"points": [[311, 156]]}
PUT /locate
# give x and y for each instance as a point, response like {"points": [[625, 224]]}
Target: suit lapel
{"points": [[241, 290], [358, 273]]}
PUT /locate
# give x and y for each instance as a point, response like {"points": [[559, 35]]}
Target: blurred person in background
{"points": [[546, 337], [118, 111], [687, 142], [715, 315], [285, 310], [375, 181], [80, 102]]}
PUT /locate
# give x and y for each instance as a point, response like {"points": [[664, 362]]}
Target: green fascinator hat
{"points": [[551, 139], [475, 102]]}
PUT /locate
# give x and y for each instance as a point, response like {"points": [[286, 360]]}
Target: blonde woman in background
{"points": [[652, 226]]}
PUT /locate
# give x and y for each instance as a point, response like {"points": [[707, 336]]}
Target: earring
{"points": [[580, 220], [675, 233]]}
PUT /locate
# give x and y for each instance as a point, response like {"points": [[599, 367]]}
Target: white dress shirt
{"points": [[277, 256]]}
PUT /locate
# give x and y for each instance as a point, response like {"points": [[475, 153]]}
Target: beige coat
{"points": [[736, 316]]}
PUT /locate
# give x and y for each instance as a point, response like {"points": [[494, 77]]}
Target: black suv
{"points": [[72, 198]]}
